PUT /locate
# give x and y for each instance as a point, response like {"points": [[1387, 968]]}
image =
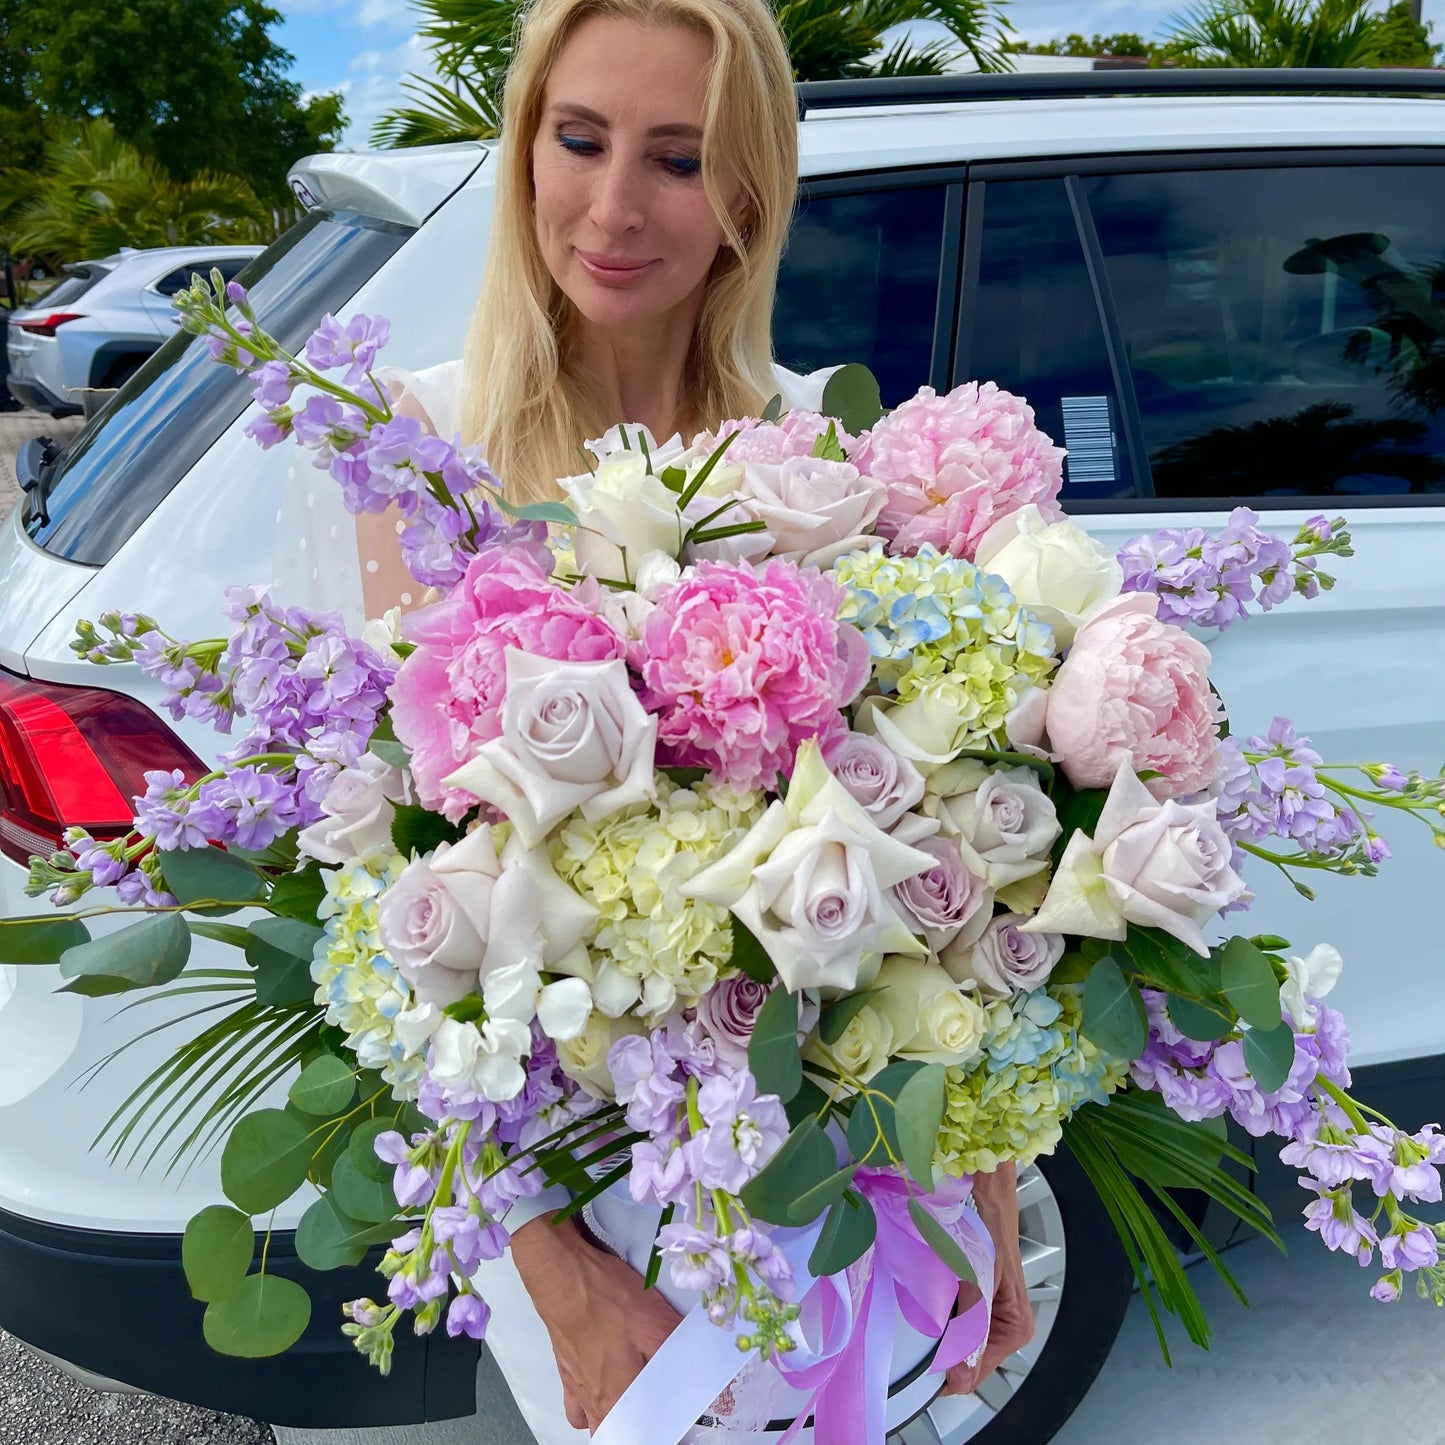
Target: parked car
{"points": [[1209, 298], [90, 333]]}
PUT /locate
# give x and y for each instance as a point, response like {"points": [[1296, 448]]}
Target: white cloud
{"points": [[373, 86]]}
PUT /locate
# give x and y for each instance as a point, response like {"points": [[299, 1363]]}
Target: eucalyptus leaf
{"points": [[360, 1197], [836, 1016], [918, 1116], [852, 396], [264, 1317], [1202, 1022], [1269, 1056], [417, 830], [847, 1235], [40, 940], [558, 512], [299, 895], [806, 1160], [216, 1252], [774, 409], [1249, 984], [325, 1088], [147, 954], [194, 874], [281, 950], [363, 1150], [231, 934], [1114, 1016], [1162, 961], [750, 955], [326, 1239], [809, 1099], [265, 1160], [809, 1203], [390, 751], [773, 1054], [939, 1240]]}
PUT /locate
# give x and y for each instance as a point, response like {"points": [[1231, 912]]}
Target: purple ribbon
{"points": [[852, 1315]]}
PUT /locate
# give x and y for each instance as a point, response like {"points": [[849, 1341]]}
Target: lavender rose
{"points": [[1005, 958], [728, 1012], [949, 896], [884, 784], [1004, 821]]}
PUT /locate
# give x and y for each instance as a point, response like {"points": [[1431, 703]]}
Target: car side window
{"points": [[177, 280], [1030, 323], [1284, 326], [859, 282]]}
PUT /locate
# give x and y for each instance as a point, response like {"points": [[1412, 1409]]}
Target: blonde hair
{"points": [[525, 403]]}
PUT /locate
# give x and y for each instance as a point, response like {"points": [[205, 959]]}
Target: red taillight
{"points": [[75, 757], [47, 325]]}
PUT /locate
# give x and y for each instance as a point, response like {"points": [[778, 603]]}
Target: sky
{"points": [[365, 47]]}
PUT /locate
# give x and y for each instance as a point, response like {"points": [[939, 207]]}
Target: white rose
{"points": [[623, 513], [810, 880], [929, 729], [631, 437], [573, 736], [1310, 977], [1006, 958], [862, 1049], [1055, 569], [930, 1017], [485, 1061], [1163, 865], [584, 1058], [1004, 821], [816, 510], [884, 784], [360, 807], [517, 992]]}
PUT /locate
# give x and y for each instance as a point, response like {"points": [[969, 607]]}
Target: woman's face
{"points": [[623, 222]]}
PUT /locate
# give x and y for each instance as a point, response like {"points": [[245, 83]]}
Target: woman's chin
{"points": [[618, 307]]}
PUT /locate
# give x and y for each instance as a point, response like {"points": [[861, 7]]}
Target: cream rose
{"points": [[584, 1058], [862, 1049], [1162, 865], [810, 880], [930, 729], [1004, 821], [1055, 569], [360, 807], [573, 736], [623, 513], [931, 1018]]}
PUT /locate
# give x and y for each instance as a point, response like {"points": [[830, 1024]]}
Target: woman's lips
{"points": [[612, 270]]}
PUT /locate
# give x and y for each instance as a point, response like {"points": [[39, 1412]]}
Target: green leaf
{"points": [[810, 1203], [806, 1160], [40, 940], [390, 751], [327, 1238], [358, 1196], [363, 1150], [773, 1054], [1269, 942], [848, 1234], [299, 895], [918, 1116], [216, 1252], [828, 448], [324, 1090], [1249, 984], [836, 1017], [147, 954], [774, 409], [416, 830], [809, 1099], [1114, 1016], [852, 396], [265, 1160], [1162, 961], [938, 1239], [334, 1142], [1202, 1022], [265, 1317], [673, 478], [750, 956], [281, 951], [193, 874], [1078, 811], [1073, 967], [558, 512], [231, 934], [872, 1126], [1269, 1056]]}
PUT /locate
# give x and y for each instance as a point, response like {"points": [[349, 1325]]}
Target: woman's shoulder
{"points": [[802, 391], [434, 391]]}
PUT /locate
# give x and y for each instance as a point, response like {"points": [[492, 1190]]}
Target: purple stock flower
{"points": [[353, 345], [469, 1315], [1410, 1248], [236, 293], [247, 806], [272, 384], [744, 1130], [327, 427], [1334, 1218], [1336, 1160], [1386, 1289], [699, 1260], [163, 813]]}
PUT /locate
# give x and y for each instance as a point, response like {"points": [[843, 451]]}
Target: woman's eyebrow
{"points": [[677, 130]]}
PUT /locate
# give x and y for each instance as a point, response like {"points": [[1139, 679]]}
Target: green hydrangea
{"points": [[930, 617], [1034, 1070], [659, 949], [358, 985]]}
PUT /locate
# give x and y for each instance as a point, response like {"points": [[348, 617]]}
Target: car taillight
{"points": [[75, 757], [47, 325]]}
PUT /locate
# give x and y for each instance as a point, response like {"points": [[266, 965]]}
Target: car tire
{"points": [[1080, 1283]]}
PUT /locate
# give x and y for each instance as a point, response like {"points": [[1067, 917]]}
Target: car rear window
{"points": [[175, 407], [81, 278]]}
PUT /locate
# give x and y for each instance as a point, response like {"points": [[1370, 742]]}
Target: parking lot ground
{"points": [[17, 427]]}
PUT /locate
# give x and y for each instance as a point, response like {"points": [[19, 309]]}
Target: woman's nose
{"points": [[617, 201]]}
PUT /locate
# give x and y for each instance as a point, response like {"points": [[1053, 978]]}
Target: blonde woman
{"points": [[646, 190]]}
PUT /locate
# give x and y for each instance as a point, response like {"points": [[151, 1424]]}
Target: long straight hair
{"points": [[526, 402]]}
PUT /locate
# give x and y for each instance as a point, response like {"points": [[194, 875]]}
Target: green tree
{"points": [[1289, 33], [471, 42], [95, 192], [1124, 44], [199, 85], [22, 123]]}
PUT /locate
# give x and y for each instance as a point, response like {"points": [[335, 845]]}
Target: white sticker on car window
{"points": [[1089, 438]]}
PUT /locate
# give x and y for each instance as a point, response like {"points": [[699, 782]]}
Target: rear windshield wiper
{"points": [[35, 462]]}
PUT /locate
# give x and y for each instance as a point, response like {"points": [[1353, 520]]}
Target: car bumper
{"points": [[35, 394], [116, 1306]]}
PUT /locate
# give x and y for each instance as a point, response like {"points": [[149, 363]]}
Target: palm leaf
{"points": [[440, 116]]}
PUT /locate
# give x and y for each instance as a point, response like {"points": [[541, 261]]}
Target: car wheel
{"points": [[1079, 1284]]}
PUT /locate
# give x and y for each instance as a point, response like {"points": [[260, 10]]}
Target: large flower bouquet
{"points": [[784, 829]]}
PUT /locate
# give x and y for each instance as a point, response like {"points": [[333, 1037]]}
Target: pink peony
{"points": [[794, 434], [954, 465], [742, 666], [1134, 689], [447, 697]]}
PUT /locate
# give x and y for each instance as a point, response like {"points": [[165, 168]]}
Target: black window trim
{"points": [[951, 178], [1071, 169]]}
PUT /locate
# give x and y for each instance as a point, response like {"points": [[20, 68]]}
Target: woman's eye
{"points": [[682, 165], [579, 145]]}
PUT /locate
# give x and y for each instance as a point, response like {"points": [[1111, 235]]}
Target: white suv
{"points": [[1211, 294]]}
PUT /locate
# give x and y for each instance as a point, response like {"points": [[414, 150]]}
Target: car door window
{"points": [[177, 280], [1284, 326], [1030, 323], [860, 282]]}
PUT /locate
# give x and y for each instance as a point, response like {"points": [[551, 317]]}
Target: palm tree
{"points": [[95, 192], [471, 41], [1274, 33]]}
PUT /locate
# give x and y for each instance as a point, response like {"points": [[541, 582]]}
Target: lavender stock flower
{"points": [[353, 345]]}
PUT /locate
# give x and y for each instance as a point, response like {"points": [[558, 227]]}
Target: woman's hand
{"points": [[605, 1326], [1012, 1324]]}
